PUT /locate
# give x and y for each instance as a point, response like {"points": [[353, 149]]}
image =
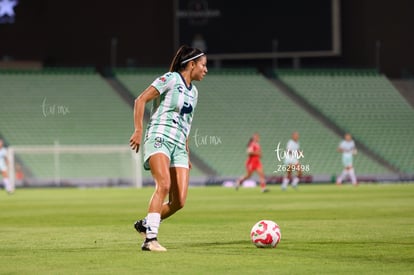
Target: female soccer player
{"points": [[253, 163], [348, 150], [292, 163], [166, 151], [3, 168]]}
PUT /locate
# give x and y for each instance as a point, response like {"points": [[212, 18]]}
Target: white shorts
{"points": [[3, 167], [291, 161], [347, 160]]}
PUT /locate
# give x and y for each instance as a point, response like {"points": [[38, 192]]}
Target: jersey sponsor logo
{"points": [[186, 109]]}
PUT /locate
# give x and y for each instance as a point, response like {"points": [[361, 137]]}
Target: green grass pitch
{"points": [[325, 230]]}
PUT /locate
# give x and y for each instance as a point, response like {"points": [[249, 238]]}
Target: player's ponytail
{"points": [[252, 139], [184, 55]]}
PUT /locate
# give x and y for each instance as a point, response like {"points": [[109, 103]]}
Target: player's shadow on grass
{"points": [[218, 243]]}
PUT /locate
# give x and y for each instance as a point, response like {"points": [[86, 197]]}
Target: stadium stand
{"points": [[364, 103], [68, 106], [79, 107], [233, 104]]}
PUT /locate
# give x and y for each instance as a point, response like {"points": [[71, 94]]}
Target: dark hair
{"points": [[251, 140], [183, 56]]}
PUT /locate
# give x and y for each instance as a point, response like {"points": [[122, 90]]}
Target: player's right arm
{"points": [[139, 106]]}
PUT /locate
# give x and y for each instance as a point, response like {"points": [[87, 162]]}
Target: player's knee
{"points": [[179, 203], [176, 205], [163, 186]]}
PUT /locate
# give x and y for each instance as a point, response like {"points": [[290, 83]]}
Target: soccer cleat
{"points": [[141, 228], [265, 190], [152, 245]]}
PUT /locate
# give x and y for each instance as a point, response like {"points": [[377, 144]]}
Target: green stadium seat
{"points": [[233, 105], [364, 103]]}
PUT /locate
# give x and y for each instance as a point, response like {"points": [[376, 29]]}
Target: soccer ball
{"points": [[265, 233]]}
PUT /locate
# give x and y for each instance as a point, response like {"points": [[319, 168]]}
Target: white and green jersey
{"points": [[172, 112], [292, 152], [348, 149], [3, 156]]}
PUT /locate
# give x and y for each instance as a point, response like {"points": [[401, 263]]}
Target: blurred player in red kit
{"points": [[253, 163]]}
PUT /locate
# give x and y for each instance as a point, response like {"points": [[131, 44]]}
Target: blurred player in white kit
{"points": [[3, 168], [292, 162], [348, 150]]}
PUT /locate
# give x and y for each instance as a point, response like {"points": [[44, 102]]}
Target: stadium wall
{"points": [[79, 33]]}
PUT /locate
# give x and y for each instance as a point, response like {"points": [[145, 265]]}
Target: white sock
{"points": [[295, 182], [285, 182], [7, 185], [153, 223], [352, 176], [342, 176]]}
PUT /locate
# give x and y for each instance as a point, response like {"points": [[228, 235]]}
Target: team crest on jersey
{"points": [[158, 142]]}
